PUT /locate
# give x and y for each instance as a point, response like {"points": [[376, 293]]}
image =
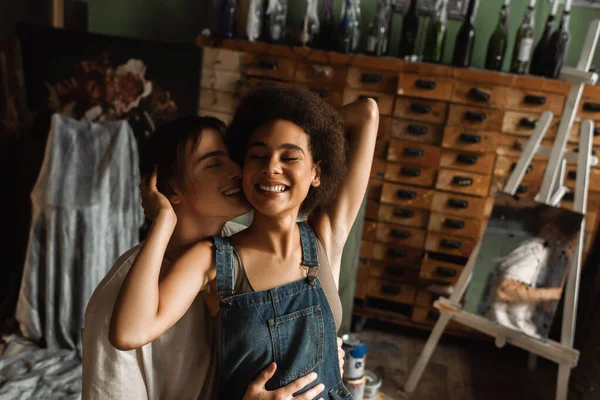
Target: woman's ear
{"points": [[316, 181], [176, 197]]}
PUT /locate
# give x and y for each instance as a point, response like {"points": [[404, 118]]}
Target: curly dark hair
{"points": [[318, 119]]}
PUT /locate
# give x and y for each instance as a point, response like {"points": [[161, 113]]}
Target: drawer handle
{"points": [[396, 253], [569, 196], [466, 159], [528, 170], [535, 100], [410, 172], [398, 234], [406, 194], [462, 181], [592, 153], [380, 174], [371, 78], [445, 272], [455, 203], [321, 92], [596, 132], [402, 213], [454, 223], [413, 152], [479, 94], [572, 175], [266, 64], [475, 116], [364, 96], [422, 84], [469, 138], [392, 290], [528, 123], [416, 130], [420, 108], [394, 271], [593, 107], [433, 315], [450, 243], [522, 189]]}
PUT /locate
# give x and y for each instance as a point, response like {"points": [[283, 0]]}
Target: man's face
{"points": [[212, 181]]}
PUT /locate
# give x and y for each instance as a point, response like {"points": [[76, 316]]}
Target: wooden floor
{"points": [[460, 369]]}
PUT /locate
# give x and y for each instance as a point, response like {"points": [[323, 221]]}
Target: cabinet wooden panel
{"points": [[451, 225], [383, 137], [449, 244], [407, 196], [589, 106], [533, 101], [571, 176], [418, 176], [417, 131], [478, 94], [534, 172], [474, 118], [382, 289], [222, 59], [321, 75], [463, 182], [428, 87], [405, 216], [421, 110], [223, 81], [372, 80], [425, 298], [385, 102], [374, 189], [218, 101], [461, 206], [269, 66], [473, 162], [392, 253], [378, 168], [372, 209], [362, 281], [525, 189], [469, 140], [394, 272], [574, 135], [440, 271], [395, 234], [524, 123], [412, 153]]}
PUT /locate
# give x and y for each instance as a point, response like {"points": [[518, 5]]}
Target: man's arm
{"points": [[513, 291]]}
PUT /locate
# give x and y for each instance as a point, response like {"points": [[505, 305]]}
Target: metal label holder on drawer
{"points": [[551, 192]]}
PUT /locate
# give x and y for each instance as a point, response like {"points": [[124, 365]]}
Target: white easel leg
{"points": [[562, 383]]}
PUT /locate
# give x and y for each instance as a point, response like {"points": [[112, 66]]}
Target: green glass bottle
{"points": [[524, 43], [410, 30], [436, 33], [496, 49]]}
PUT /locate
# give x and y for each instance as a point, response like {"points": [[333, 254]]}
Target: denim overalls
{"points": [[292, 325]]}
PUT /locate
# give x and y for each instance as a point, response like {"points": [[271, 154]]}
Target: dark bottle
{"points": [[274, 24], [324, 37], [557, 46], [465, 40], [410, 30], [496, 49], [377, 34], [523, 43], [346, 35], [254, 20], [540, 52], [310, 24], [227, 11], [436, 33]]}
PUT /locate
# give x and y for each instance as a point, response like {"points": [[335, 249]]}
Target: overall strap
{"points": [[310, 257], [225, 267]]}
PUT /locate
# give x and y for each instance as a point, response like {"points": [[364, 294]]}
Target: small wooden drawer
{"points": [[218, 101], [589, 106], [575, 133], [385, 102], [463, 182], [407, 196], [473, 162], [523, 124], [449, 244], [395, 234], [378, 168], [425, 298], [391, 253], [418, 176], [222, 59], [417, 131], [413, 153], [475, 118], [571, 176], [440, 271], [333, 97], [505, 166], [461, 206], [476, 140], [391, 291], [222, 81], [372, 209], [394, 272], [421, 110], [511, 145], [362, 281], [372, 79], [321, 75], [593, 202], [451, 225], [269, 66], [425, 315], [478, 94], [533, 101], [428, 87], [374, 188], [526, 189], [404, 216]]}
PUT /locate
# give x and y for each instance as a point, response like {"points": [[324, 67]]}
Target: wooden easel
{"points": [[551, 192]]}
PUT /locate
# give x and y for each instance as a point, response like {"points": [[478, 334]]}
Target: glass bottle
{"points": [[435, 38], [559, 42], [346, 28], [275, 18], [496, 49], [524, 42], [539, 54], [324, 37], [410, 30], [465, 40], [227, 13]]}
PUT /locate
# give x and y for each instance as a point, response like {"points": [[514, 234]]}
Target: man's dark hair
{"points": [[318, 119], [169, 146]]}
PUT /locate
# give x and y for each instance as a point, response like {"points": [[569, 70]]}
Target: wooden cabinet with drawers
{"points": [[448, 141]]}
